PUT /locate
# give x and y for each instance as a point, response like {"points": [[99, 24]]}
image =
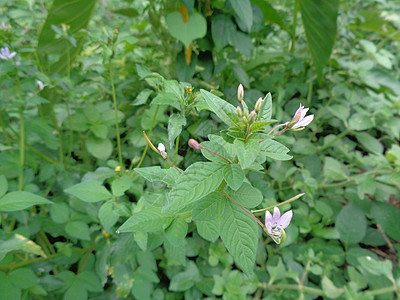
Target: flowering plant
{"points": [[216, 194]]}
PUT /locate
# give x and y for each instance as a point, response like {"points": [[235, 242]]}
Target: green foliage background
{"points": [[83, 199]]}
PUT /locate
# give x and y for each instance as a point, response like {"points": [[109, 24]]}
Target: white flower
{"points": [[161, 148], [300, 119], [276, 224], [6, 54], [41, 84]]}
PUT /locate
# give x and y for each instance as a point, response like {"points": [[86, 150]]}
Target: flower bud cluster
{"points": [[243, 113]]}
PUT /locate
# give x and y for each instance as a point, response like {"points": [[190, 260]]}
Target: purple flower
{"points": [[276, 224], [300, 119], [6, 54]]}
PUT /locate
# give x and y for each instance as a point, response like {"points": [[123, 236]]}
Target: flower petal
{"points": [[268, 217], [268, 225], [277, 215], [302, 123], [299, 110], [284, 221], [303, 113]]}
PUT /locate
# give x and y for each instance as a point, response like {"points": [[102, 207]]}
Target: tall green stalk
{"points": [[116, 114], [21, 148], [295, 15]]}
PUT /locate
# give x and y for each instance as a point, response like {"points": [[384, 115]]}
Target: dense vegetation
{"points": [[92, 206]]}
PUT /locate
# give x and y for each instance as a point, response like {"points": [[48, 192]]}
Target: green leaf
{"points": [[19, 242], [59, 213], [376, 267], [3, 185], [208, 230], [209, 207], [239, 232], [244, 11], [175, 124], [126, 11], [148, 220], [89, 191], [361, 121], [275, 150], [7, 289], [76, 15], [99, 130], [241, 75], [224, 110], [107, 215], [266, 109], [185, 280], [99, 148], [177, 231], [387, 216], [222, 28], [120, 185], [168, 176], [370, 143], [351, 224], [194, 28], [243, 43], [23, 278], [333, 169], [20, 200], [166, 99], [142, 97], [246, 152], [330, 289], [197, 181], [234, 176], [319, 19], [76, 291], [90, 281], [78, 229], [218, 146], [175, 252], [271, 15], [246, 195]]}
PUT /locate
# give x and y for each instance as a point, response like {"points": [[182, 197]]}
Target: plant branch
{"points": [[247, 212], [280, 204]]}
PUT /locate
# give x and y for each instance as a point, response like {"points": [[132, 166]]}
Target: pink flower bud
{"points": [[194, 144]]}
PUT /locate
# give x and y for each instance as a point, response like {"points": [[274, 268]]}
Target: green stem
{"points": [[14, 265], [71, 137], [22, 149], [247, 132], [85, 259], [338, 137], [295, 15], [176, 149], [280, 204], [310, 90], [116, 115], [300, 288]]}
